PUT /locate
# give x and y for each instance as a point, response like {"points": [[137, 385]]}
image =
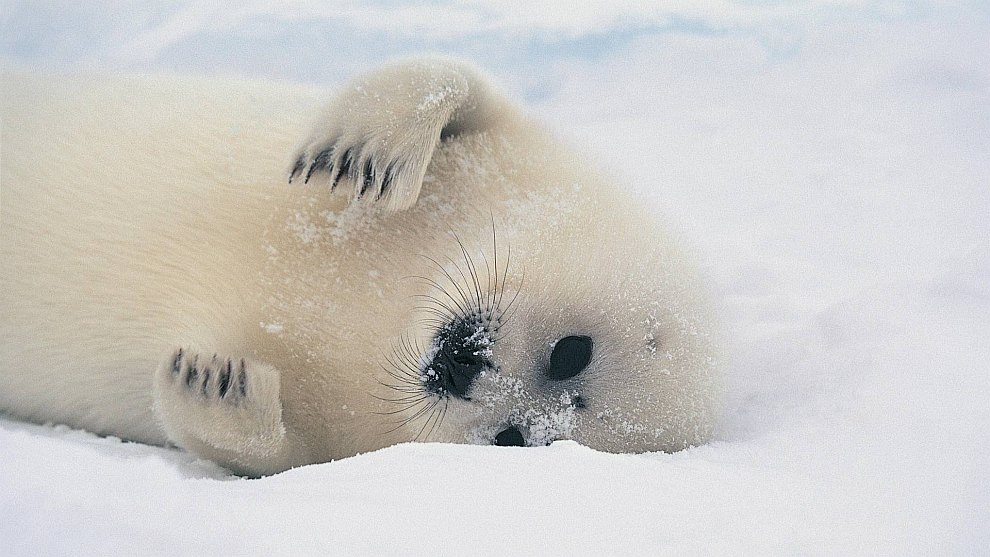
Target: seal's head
{"points": [[559, 334]]}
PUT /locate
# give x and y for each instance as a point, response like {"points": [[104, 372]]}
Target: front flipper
{"points": [[380, 132], [226, 410]]}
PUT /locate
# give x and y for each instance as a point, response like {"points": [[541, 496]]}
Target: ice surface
{"points": [[828, 164]]}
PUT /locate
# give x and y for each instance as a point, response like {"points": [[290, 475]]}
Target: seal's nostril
{"points": [[510, 437]]}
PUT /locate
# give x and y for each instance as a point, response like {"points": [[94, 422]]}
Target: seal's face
{"points": [[601, 349]]}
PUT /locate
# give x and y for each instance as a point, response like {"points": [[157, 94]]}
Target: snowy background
{"points": [[829, 161]]}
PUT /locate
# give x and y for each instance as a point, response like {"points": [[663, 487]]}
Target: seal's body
{"points": [[428, 265]]}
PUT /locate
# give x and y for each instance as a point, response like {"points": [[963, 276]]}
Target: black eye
{"points": [[570, 355]]}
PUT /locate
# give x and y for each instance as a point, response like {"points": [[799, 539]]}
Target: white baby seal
{"points": [[429, 264]]}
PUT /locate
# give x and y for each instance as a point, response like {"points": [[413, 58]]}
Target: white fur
{"points": [[140, 217]]}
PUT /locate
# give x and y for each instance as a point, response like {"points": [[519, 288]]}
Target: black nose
{"points": [[460, 357], [457, 370], [510, 437]]}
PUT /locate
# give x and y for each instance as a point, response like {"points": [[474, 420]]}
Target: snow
{"points": [[829, 165]]}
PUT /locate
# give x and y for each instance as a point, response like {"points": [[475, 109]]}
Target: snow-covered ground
{"points": [[831, 166]]}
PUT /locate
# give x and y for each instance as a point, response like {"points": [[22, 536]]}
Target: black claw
{"points": [[346, 163], [332, 171], [323, 158], [320, 162], [297, 168], [225, 380], [206, 381], [242, 381], [369, 177], [177, 363], [309, 173], [191, 374], [390, 173]]}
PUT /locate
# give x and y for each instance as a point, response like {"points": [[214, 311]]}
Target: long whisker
{"points": [[465, 295], [461, 307], [443, 414], [456, 292], [471, 269], [505, 272]]}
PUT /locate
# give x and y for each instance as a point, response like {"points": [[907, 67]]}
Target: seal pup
{"points": [[180, 265]]}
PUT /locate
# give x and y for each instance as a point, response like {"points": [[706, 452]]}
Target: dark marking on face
{"points": [[459, 358]]}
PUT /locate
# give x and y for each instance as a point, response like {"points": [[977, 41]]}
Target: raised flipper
{"points": [[381, 131], [226, 410]]}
